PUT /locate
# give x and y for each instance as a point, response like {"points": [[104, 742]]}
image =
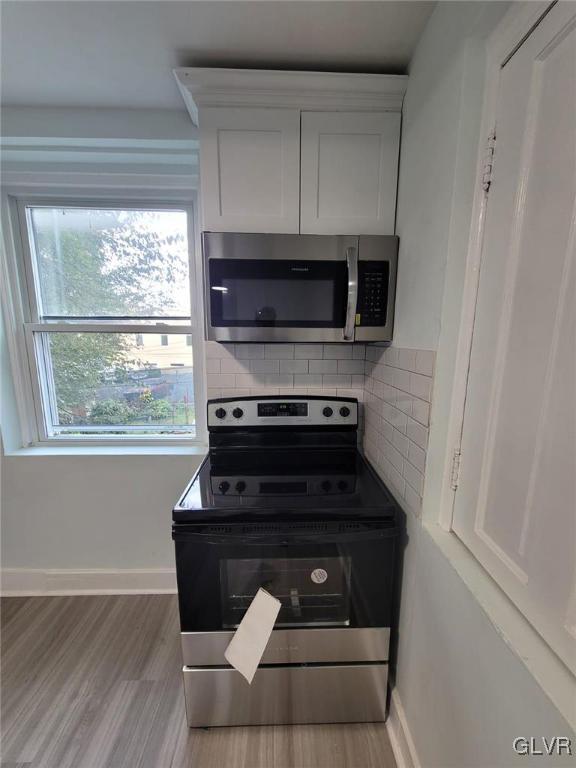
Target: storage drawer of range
{"points": [[324, 694], [294, 646]]}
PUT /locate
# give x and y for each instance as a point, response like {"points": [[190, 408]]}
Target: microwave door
{"points": [[280, 288]]}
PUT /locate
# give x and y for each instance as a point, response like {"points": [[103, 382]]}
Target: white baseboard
{"points": [[19, 582], [400, 736]]}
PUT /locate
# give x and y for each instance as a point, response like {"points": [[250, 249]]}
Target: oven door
{"points": [[279, 287], [326, 577]]}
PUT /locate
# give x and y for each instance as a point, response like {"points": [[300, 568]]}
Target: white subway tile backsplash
{"points": [[414, 478], [401, 379], [279, 351], [421, 386], [245, 380], [293, 366], [337, 380], [393, 455], [394, 386], [307, 380], [230, 365], [394, 416], [338, 351], [248, 351], [212, 365], [417, 456], [323, 366], [406, 359], [236, 392], [400, 442], [265, 366], [279, 380], [421, 411], [221, 380], [397, 392], [413, 500], [259, 391], [417, 433], [350, 366], [425, 362], [308, 351], [215, 350]]}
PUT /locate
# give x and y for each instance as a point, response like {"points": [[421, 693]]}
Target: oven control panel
{"points": [[282, 485], [282, 411]]}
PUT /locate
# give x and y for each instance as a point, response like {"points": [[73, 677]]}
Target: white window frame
{"points": [[448, 411], [30, 375]]}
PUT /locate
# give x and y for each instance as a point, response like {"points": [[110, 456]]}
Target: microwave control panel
{"points": [[373, 279]]}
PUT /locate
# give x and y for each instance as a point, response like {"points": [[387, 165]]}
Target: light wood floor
{"points": [[94, 682]]}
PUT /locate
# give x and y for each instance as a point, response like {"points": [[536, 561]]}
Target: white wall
{"points": [[465, 693], [87, 511], [91, 512], [431, 130]]}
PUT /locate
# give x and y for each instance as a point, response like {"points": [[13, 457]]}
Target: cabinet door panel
{"points": [[349, 168], [515, 507], [250, 169]]}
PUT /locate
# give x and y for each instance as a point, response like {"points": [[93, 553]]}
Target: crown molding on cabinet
{"points": [[330, 91]]}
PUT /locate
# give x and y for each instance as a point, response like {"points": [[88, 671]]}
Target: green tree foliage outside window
{"points": [[124, 270]]}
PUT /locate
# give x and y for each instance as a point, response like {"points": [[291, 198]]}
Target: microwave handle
{"points": [[352, 262]]}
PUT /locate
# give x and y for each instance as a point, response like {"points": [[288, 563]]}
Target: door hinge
{"points": [[488, 162], [455, 469]]}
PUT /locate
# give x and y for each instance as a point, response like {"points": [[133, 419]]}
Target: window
{"points": [[101, 280]]}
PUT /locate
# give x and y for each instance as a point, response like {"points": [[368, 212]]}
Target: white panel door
{"points": [[250, 169], [515, 506], [349, 171]]}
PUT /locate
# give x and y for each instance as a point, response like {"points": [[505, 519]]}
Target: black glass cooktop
{"points": [[284, 484]]}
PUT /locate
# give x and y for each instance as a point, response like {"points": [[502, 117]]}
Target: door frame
{"points": [[515, 27]]}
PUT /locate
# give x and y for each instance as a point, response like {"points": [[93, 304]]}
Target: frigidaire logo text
{"points": [[299, 269]]}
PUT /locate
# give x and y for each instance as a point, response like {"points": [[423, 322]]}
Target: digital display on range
{"points": [[282, 409]]}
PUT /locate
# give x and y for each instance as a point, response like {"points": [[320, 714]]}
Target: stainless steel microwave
{"points": [[277, 288]]}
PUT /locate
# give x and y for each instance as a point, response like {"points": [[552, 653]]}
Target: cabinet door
{"points": [[349, 169], [249, 169], [515, 507]]}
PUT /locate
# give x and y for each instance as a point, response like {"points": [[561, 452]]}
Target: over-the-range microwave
{"points": [[282, 288]]}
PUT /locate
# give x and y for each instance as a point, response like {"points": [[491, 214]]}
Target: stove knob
{"points": [[220, 413], [223, 487], [344, 411], [342, 485], [326, 485], [327, 411], [237, 413], [240, 486]]}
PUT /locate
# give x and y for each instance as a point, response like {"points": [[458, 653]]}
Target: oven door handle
{"points": [[271, 539], [352, 263]]}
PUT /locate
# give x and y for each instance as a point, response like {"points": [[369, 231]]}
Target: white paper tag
{"points": [[251, 638]]}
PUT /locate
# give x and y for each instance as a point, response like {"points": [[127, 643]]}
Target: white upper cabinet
{"points": [[250, 169], [349, 170], [310, 152]]}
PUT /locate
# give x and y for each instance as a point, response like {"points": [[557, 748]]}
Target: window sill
{"points": [[524, 641], [197, 449]]}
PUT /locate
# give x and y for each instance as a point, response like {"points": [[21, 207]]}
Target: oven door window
{"points": [[314, 592], [278, 293]]}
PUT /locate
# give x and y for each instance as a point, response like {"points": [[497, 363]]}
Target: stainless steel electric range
{"points": [[285, 501]]}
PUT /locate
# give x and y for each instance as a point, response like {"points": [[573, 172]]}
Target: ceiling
{"points": [[121, 54]]}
